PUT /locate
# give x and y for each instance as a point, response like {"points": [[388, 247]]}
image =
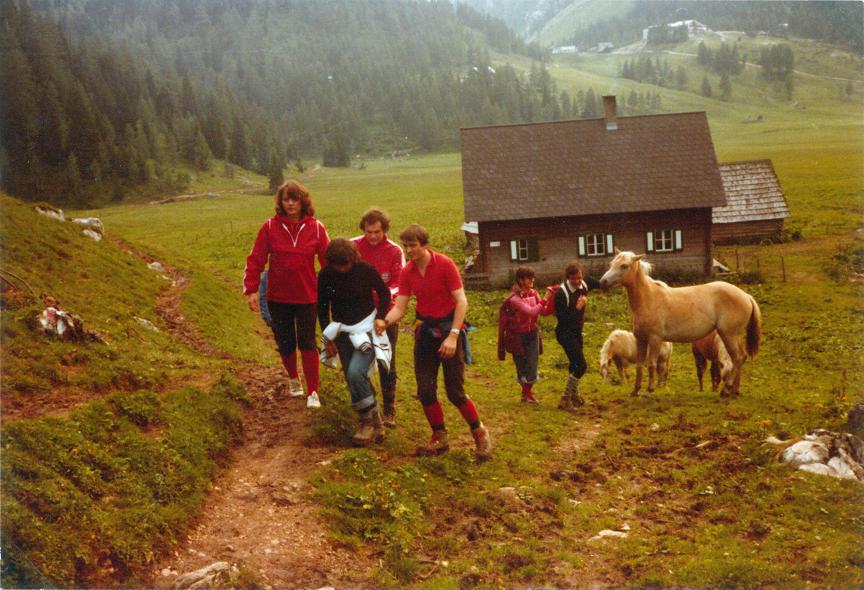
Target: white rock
{"points": [[206, 577], [605, 533], [93, 223], [806, 451], [92, 234], [147, 324], [157, 266], [51, 212], [842, 469], [820, 468]]}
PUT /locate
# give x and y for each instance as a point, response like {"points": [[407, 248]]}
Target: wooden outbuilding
{"points": [[755, 207], [543, 194]]}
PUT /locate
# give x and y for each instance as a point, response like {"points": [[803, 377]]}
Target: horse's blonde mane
{"points": [[647, 267]]}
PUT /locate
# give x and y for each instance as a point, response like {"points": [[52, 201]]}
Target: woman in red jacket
{"points": [[290, 240]]}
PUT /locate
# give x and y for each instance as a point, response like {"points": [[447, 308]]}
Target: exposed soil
{"points": [[258, 513]]}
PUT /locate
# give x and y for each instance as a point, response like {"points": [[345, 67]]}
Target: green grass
{"points": [[682, 505], [725, 514], [580, 15], [112, 485], [106, 287]]}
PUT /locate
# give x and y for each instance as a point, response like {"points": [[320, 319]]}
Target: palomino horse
{"points": [[684, 314]]}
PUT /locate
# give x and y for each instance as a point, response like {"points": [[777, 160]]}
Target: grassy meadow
{"points": [[685, 472]]}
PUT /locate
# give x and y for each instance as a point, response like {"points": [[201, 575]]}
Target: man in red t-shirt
{"points": [[438, 337], [387, 258]]}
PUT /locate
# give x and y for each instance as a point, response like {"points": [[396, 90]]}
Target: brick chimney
{"points": [[610, 112]]}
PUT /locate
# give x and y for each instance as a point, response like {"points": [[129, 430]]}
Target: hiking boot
{"points": [[295, 388], [369, 429], [566, 404], [437, 445], [389, 416], [483, 442], [529, 398], [312, 400], [573, 390]]}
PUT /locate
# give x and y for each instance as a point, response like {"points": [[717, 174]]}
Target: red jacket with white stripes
{"points": [[291, 247]]}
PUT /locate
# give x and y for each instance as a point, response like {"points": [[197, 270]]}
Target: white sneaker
{"points": [[312, 400], [295, 388]]}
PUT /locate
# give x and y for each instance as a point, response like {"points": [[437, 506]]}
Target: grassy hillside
{"points": [[578, 15], [106, 487], [106, 287], [706, 504]]}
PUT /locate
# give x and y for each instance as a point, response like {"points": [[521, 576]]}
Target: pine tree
{"points": [[589, 107], [238, 152], [681, 78], [725, 87], [275, 168], [706, 88]]}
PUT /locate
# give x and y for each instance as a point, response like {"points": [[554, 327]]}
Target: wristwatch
{"points": [[454, 330]]}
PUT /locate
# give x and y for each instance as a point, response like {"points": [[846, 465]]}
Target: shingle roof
{"points": [[537, 170], [752, 193]]}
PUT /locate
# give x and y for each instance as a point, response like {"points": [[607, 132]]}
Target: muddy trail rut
{"points": [[258, 514]]}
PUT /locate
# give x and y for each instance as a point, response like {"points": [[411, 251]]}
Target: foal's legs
{"points": [[619, 364], [701, 363], [715, 374]]}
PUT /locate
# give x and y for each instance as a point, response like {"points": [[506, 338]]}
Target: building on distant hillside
{"points": [[564, 49], [755, 207], [602, 47], [545, 193], [677, 32]]}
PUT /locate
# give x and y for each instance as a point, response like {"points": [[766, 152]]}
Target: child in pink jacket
{"points": [[518, 333]]}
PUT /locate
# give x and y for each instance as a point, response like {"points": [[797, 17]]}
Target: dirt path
{"points": [[258, 513]]}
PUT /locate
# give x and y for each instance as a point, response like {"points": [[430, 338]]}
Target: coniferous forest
{"points": [[102, 98]]}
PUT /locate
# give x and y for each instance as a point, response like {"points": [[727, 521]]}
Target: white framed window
{"points": [[524, 250], [665, 240], [596, 244]]}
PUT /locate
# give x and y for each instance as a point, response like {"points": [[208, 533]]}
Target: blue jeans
{"points": [[355, 366], [526, 365]]}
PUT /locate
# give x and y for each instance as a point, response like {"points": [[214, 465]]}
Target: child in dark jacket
{"points": [[571, 299], [518, 333]]}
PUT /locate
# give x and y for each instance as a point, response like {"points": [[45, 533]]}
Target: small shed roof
{"points": [[565, 168], [753, 193]]}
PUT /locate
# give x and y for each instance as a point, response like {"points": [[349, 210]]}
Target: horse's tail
{"points": [[754, 329]]}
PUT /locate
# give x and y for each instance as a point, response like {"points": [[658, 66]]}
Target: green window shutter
{"points": [[649, 241], [581, 245], [679, 240], [533, 250], [610, 244]]}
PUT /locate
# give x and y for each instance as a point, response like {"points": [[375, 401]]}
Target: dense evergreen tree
{"points": [[707, 92], [725, 87], [131, 89]]}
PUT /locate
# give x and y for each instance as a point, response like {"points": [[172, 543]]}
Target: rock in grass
{"points": [[606, 533], [214, 576]]}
